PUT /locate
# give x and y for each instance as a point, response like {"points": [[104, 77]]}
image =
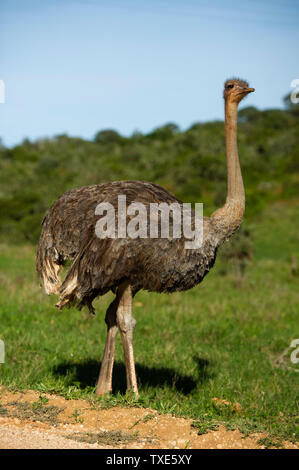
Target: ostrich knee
{"points": [[125, 321], [126, 324]]}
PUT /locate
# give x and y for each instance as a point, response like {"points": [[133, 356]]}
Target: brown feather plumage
{"points": [[100, 265]]}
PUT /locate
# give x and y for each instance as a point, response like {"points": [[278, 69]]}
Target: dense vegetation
{"points": [[190, 164]]}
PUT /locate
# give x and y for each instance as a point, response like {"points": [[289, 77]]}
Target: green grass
{"points": [[219, 340]]}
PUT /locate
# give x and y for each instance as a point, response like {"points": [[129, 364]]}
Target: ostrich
{"points": [[126, 265]]}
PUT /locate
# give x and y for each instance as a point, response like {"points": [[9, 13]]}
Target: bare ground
{"points": [[32, 421]]}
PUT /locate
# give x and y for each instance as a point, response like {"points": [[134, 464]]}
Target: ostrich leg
{"points": [[104, 384], [126, 324]]}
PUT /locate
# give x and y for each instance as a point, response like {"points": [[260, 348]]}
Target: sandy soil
{"points": [[51, 422]]}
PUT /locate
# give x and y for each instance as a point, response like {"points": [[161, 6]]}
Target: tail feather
{"points": [[48, 267], [74, 291], [70, 293]]}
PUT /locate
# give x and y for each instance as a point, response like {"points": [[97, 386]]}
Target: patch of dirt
{"points": [[31, 420]]}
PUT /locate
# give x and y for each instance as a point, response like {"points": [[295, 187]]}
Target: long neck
{"points": [[228, 218]]}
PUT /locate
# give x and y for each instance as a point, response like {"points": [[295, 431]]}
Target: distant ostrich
{"points": [[127, 265]]}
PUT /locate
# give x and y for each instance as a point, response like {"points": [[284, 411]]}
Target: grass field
{"points": [[210, 353]]}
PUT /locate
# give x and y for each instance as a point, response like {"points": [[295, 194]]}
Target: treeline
{"points": [[191, 164]]}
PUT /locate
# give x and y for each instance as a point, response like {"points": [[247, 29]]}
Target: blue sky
{"points": [[78, 66]]}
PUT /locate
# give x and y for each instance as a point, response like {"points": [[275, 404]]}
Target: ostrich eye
{"points": [[230, 86]]}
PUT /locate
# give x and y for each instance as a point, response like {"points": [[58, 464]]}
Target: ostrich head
{"points": [[235, 90]]}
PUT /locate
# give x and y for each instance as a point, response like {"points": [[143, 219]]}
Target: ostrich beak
{"points": [[249, 90]]}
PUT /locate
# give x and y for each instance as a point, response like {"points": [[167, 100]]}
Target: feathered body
{"points": [[100, 265]]}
